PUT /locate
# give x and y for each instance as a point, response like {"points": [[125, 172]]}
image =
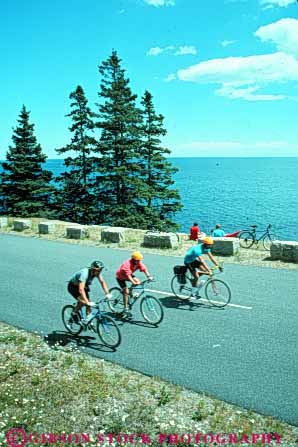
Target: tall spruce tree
{"points": [[76, 200], [120, 120], [162, 201], [24, 183]]}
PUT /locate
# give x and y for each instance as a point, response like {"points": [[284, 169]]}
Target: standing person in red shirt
{"points": [[194, 232], [125, 273]]}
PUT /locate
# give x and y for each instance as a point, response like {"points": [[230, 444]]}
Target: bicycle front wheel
{"points": [[71, 324], [116, 302], [181, 287], [217, 292], [151, 309], [246, 239], [108, 331]]}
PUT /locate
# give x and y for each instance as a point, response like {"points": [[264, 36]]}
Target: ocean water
{"points": [[234, 192]]}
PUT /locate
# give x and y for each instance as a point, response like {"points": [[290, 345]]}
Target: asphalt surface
{"points": [[248, 357]]}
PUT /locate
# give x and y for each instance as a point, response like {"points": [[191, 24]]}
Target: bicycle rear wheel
{"points": [[181, 289], [217, 292], [116, 302], [108, 331], [151, 309], [246, 239], [71, 324]]}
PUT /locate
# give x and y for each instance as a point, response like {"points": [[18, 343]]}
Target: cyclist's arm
{"points": [[212, 258], [84, 298], [133, 280], [103, 285], [148, 274], [200, 258]]}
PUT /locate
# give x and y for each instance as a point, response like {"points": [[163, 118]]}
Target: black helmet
{"points": [[97, 265]]}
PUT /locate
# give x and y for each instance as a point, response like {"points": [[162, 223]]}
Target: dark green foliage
{"points": [[119, 144], [25, 188], [162, 201], [76, 200]]}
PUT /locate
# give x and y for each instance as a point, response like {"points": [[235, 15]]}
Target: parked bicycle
{"points": [[150, 307], [106, 327], [217, 291], [249, 237]]}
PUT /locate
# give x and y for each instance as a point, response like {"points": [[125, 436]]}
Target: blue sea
{"points": [[234, 192]]}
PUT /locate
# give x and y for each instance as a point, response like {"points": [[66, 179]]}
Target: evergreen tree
{"points": [[119, 119], [75, 198], [24, 183], [162, 202]]}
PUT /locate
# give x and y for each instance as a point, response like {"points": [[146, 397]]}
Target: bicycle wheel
{"points": [[181, 291], [217, 292], [268, 240], [151, 309], [116, 302], [108, 331], [246, 239], [70, 325]]}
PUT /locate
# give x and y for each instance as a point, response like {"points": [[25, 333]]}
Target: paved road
{"points": [[244, 356]]}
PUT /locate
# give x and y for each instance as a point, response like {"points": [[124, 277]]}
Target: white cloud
{"points": [[281, 3], [186, 49], [158, 3], [182, 50], [246, 93], [156, 51], [283, 33], [240, 77], [243, 70], [170, 77], [225, 43]]}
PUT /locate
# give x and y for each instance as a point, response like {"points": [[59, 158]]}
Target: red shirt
{"points": [[194, 232], [128, 268]]}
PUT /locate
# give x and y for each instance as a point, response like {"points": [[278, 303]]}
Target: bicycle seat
{"points": [[254, 226]]}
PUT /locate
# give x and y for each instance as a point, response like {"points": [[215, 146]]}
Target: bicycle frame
{"points": [[141, 286]]}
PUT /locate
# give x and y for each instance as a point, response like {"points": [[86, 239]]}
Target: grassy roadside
{"points": [[56, 389]]}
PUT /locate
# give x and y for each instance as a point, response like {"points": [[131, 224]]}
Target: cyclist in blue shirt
{"points": [[79, 286], [194, 259]]}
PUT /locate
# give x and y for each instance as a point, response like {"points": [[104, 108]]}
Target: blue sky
{"points": [[224, 73]]}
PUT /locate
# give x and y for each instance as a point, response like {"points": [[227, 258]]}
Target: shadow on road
{"points": [[62, 338], [121, 321], [172, 302]]}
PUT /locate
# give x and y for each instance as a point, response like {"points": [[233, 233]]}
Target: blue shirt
{"points": [[82, 276], [194, 252], [218, 233]]}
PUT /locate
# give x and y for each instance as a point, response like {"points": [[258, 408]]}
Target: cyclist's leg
{"points": [[192, 267], [125, 291]]}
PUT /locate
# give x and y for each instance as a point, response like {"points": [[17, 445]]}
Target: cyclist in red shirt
{"points": [[125, 273]]}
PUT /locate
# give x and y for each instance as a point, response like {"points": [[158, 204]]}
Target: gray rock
{"points": [[76, 232], [46, 227], [161, 240], [285, 251], [226, 246], [22, 224], [3, 222], [113, 234]]}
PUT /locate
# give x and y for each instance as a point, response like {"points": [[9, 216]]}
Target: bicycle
{"points": [[249, 237], [106, 327], [150, 307], [217, 291]]}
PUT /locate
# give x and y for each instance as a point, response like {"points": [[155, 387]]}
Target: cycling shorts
{"points": [[123, 282], [73, 289], [192, 266]]}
